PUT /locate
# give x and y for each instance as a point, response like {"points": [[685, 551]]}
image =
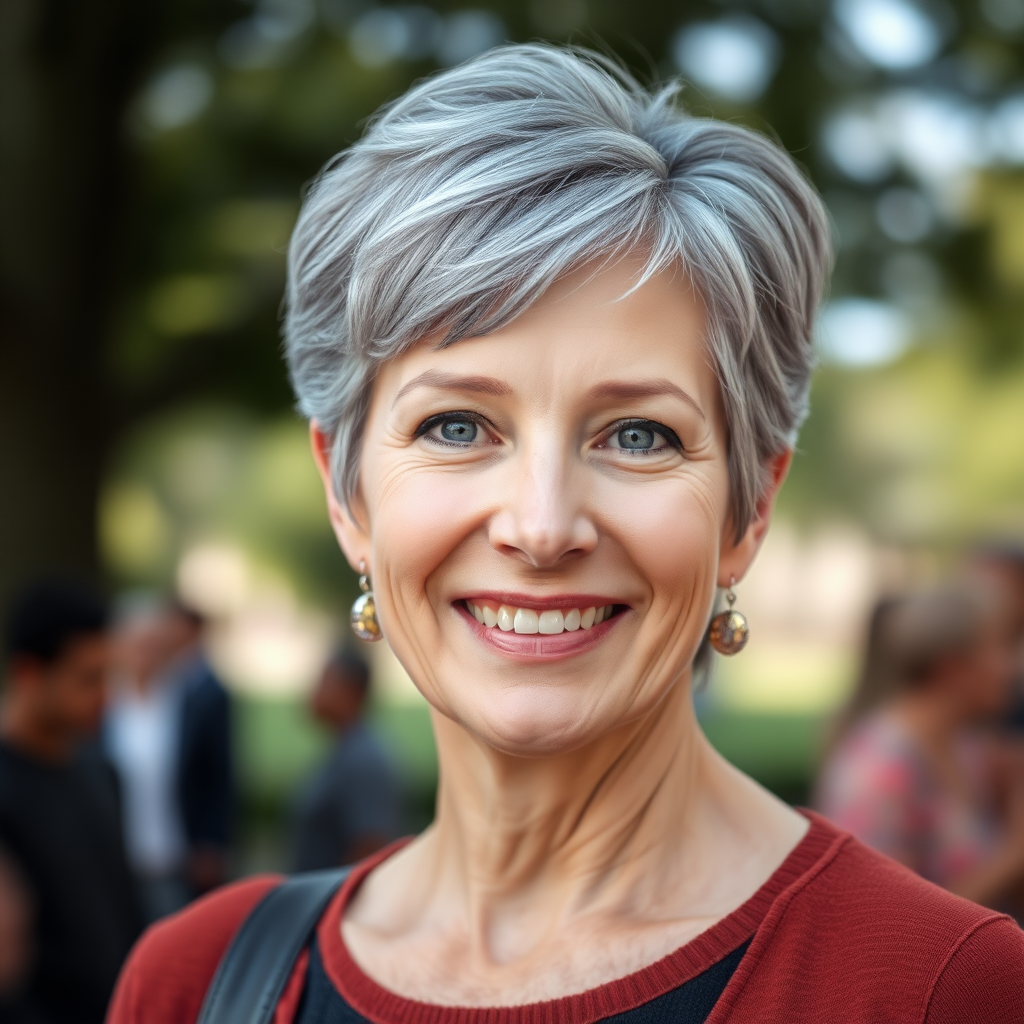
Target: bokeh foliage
{"points": [[205, 119], [153, 161], [919, 448]]}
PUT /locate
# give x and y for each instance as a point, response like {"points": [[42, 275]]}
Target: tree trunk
{"points": [[67, 69]]}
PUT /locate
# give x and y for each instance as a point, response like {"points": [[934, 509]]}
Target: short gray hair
{"points": [[471, 194]]}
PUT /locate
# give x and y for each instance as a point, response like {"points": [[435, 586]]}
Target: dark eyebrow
{"points": [[456, 382], [653, 388]]}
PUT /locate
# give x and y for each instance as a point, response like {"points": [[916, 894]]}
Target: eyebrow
{"points": [[654, 388], [456, 382]]}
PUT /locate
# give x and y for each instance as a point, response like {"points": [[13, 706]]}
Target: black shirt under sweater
{"points": [[61, 824], [690, 1003]]}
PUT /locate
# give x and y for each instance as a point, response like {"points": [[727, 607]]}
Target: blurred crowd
{"points": [[117, 793], [118, 798], [926, 762]]}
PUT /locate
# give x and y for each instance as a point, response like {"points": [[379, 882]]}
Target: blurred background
{"points": [[154, 156]]}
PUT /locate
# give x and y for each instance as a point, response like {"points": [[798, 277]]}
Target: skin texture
{"points": [[585, 827]]}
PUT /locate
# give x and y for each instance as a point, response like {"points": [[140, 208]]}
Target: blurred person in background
{"points": [[1000, 566], [913, 772], [351, 807], [168, 731], [205, 777], [874, 682], [60, 818]]}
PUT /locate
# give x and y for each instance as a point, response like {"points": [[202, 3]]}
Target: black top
{"points": [[206, 788], [62, 826], [690, 1003]]}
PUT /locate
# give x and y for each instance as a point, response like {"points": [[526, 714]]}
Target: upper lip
{"points": [[541, 602]]}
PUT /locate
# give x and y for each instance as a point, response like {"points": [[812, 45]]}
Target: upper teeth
{"points": [[526, 620]]}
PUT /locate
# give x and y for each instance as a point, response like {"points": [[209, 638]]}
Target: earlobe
{"points": [[737, 557], [352, 538]]}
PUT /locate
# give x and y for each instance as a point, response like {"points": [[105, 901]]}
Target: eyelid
{"points": [[462, 414], [424, 429], [671, 437]]}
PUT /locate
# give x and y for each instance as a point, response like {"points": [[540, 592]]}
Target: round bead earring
{"points": [[364, 620], [729, 630]]}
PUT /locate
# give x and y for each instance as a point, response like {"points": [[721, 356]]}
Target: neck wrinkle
{"points": [[521, 837]]}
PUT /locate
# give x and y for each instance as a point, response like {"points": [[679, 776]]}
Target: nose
{"points": [[543, 519]]}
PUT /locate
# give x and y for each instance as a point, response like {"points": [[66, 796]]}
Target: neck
{"points": [[511, 816], [23, 728], [609, 829]]}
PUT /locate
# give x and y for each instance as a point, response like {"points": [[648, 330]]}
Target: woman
{"points": [[910, 775], [553, 337]]}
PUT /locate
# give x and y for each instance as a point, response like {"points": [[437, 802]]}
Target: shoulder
{"points": [[172, 965], [983, 979], [202, 686], [895, 946]]}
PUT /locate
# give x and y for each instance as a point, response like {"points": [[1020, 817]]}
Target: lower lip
{"points": [[539, 646]]}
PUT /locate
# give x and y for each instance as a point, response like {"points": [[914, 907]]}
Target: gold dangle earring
{"points": [[729, 631], [364, 620]]}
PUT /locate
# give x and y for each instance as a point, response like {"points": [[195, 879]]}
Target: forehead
{"points": [[596, 324]]}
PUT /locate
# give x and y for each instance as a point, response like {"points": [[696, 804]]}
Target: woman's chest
{"points": [[689, 1002], [515, 966]]}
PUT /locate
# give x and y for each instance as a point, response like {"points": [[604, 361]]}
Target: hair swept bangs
{"points": [[471, 194]]}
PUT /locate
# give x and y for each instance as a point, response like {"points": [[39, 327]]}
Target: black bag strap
{"points": [[256, 967]]}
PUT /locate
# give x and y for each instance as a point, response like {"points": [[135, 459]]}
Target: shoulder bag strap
{"points": [[257, 965]]}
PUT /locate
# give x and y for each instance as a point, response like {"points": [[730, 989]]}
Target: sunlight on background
{"points": [[734, 57]]}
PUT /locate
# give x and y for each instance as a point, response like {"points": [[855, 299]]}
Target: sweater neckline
{"points": [[382, 1006]]}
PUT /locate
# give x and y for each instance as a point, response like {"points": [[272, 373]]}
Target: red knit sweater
{"points": [[840, 933]]}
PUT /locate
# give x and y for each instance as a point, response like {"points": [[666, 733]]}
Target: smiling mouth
{"points": [[539, 634], [547, 622]]}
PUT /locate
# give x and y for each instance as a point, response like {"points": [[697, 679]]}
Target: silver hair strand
{"points": [[471, 194]]}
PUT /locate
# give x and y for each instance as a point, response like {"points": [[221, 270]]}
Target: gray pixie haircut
{"points": [[470, 195]]}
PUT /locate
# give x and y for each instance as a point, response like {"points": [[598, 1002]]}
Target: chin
{"points": [[535, 722]]}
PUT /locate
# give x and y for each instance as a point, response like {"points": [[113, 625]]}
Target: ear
{"points": [[352, 537], [736, 556]]}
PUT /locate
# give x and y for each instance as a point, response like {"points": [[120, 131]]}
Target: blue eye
{"points": [[454, 430], [642, 437], [635, 438], [459, 431]]}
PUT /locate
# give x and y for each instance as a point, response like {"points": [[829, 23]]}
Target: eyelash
{"points": [[423, 430], [654, 426], [670, 436]]}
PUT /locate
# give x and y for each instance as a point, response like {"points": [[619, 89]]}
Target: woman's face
{"points": [[986, 679], [564, 479]]}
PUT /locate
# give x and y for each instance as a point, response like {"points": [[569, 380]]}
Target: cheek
{"points": [[670, 531], [418, 519]]}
